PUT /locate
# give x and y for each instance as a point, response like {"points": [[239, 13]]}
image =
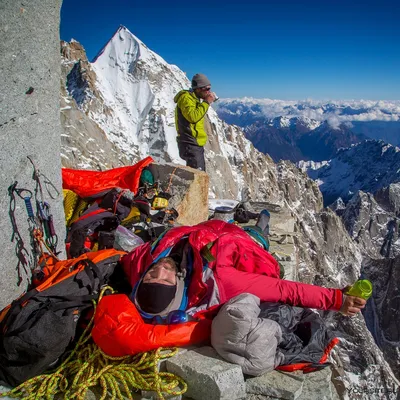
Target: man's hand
{"points": [[210, 97], [352, 305]]}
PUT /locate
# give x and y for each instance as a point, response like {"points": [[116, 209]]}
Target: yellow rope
{"points": [[87, 366]]}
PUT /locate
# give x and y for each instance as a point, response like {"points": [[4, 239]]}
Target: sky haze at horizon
{"points": [[288, 50]]}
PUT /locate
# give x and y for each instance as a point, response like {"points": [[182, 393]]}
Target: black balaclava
{"points": [[155, 297]]}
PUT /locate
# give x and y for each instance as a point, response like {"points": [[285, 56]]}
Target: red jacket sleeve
{"points": [[232, 282], [119, 329]]}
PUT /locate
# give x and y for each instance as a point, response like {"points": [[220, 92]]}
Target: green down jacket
{"points": [[189, 118]]}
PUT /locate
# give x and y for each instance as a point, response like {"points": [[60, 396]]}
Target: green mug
{"points": [[362, 288]]}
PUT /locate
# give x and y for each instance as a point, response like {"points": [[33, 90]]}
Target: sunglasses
{"points": [[205, 89], [173, 317]]}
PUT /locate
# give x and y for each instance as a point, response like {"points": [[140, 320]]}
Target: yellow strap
{"points": [[70, 201], [79, 208], [133, 216]]}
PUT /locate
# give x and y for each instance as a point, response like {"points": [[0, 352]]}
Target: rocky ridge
{"points": [[298, 139], [368, 166], [102, 130], [372, 221]]}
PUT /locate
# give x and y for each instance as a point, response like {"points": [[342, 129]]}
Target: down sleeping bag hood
{"points": [[267, 336]]}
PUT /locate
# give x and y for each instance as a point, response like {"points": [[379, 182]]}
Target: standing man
{"points": [[191, 108]]}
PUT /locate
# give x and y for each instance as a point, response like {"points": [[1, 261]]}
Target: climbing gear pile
{"points": [[25, 257], [43, 237], [87, 367], [40, 226], [92, 222], [43, 209], [37, 328]]}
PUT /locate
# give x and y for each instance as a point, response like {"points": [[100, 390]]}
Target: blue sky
{"points": [[288, 50]]}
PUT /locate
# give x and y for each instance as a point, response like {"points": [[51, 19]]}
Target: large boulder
{"points": [[189, 190]]}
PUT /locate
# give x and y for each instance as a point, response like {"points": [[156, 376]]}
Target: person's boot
{"points": [[252, 215], [263, 222]]}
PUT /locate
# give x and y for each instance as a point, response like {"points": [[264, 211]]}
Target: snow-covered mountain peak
{"points": [[135, 89], [133, 79], [124, 51], [124, 46], [281, 122]]}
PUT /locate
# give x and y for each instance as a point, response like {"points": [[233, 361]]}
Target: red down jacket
{"points": [[239, 266]]}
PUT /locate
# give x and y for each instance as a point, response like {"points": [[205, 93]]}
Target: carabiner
{"points": [[25, 195], [13, 188]]}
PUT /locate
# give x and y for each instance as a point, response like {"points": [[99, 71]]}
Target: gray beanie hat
{"points": [[199, 81]]}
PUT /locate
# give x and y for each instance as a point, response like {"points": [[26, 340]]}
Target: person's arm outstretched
{"points": [[232, 282]]}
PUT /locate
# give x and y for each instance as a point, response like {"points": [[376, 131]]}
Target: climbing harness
{"points": [[88, 366]]}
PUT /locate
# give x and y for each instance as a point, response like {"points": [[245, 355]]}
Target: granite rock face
{"points": [[208, 376], [29, 126], [382, 314], [188, 189], [276, 384], [368, 166], [372, 221]]}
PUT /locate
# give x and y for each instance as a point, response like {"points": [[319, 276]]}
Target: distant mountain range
{"points": [[311, 130], [298, 138]]}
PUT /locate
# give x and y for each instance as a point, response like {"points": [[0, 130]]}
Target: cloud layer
{"points": [[335, 112]]}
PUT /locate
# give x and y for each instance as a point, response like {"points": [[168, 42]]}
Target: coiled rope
{"points": [[88, 367]]}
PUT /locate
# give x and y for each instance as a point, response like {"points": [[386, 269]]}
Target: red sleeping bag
{"points": [[86, 183]]}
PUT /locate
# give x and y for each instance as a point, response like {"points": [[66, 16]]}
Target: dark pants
{"points": [[193, 155]]}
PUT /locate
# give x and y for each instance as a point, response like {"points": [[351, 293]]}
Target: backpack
{"points": [[37, 328]]}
